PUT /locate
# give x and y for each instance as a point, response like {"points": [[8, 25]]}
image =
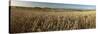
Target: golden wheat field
{"points": [[24, 19]]}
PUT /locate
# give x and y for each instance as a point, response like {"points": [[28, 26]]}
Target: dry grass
{"points": [[40, 19]]}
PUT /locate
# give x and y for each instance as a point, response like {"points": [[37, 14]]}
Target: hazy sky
{"points": [[83, 2], [52, 5]]}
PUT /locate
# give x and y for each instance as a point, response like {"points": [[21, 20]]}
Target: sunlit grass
{"points": [[40, 20]]}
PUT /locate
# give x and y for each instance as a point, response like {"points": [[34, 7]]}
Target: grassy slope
{"points": [[46, 19]]}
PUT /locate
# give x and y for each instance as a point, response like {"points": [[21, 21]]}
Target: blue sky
{"points": [[83, 2], [53, 5]]}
